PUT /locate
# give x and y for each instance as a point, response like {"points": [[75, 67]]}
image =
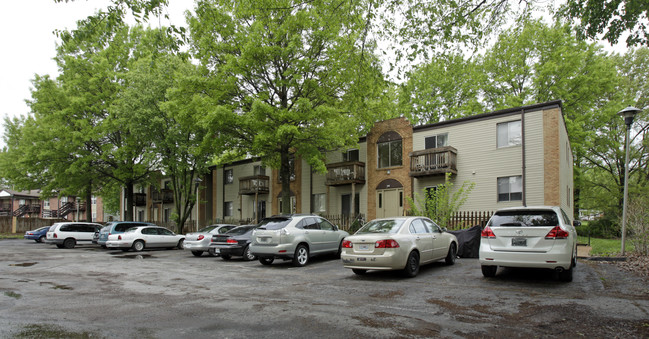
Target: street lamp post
{"points": [[197, 182], [628, 114]]}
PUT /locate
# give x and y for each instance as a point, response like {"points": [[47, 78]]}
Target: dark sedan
{"points": [[37, 235], [235, 242]]}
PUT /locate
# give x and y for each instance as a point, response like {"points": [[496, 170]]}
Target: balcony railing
{"points": [[345, 173], [163, 196], [433, 161], [140, 199], [256, 184]]}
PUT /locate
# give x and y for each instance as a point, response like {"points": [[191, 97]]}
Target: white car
{"points": [[535, 237], [69, 234], [141, 237], [295, 237], [402, 243], [199, 242]]}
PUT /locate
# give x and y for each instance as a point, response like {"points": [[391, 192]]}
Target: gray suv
{"points": [[295, 237]]}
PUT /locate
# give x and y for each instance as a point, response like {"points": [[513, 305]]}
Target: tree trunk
{"points": [[128, 216], [285, 178], [89, 202]]}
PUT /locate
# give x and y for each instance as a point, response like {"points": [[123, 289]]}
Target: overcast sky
{"points": [[28, 43]]}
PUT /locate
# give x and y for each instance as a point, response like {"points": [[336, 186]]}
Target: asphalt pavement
{"points": [[47, 292]]}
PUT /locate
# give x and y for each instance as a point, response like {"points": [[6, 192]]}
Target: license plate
{"points": [[364, 247], [361, 259], [519, 242]]}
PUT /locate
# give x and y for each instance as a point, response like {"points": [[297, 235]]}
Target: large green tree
{"points": [[300, 77]]}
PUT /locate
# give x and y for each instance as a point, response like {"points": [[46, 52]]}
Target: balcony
{"points": [[345, 173], [164, 196], [256, 184], [140, 199], [433, 161]]}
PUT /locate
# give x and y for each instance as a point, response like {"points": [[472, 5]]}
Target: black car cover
{"points": [[468, 241]]}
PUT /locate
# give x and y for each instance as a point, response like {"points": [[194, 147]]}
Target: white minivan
{"points": [[68, 234]]}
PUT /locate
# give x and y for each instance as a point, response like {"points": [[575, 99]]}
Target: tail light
{"points": [[387, 243], [231, 241], [557, 233], [55, 236], [347, 244], [119, 237], [213, 239], [488, 233], [201, 237], [30, 233]]}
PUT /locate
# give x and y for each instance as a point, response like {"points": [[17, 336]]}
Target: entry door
{"points": [[389, 203], [261, 210]]}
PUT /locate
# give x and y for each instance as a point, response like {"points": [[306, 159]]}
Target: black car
{"points": [[235, 242]]}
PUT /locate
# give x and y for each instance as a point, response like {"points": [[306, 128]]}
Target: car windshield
{"points": [[207, 229], [381, 226], [524, 218], [273, 223], [240, 230]]}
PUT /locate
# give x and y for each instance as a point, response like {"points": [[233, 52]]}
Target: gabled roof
{"points": [[31, 194]]}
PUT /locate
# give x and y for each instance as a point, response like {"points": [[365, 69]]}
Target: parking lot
{"points": [[91, 292]]}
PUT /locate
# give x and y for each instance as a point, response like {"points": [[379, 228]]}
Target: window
{"points": [[509, 134], [64, 199], [325, 225], [167, 185], [350, 155], [417, 227], [390, 153], [228, 176], [259, 170], [167, 215], [46, 204], [318, 203], [227, 209], [93, 200], [292, 207], [436, 141], [21, 202], [94, 216], [510, 188]]}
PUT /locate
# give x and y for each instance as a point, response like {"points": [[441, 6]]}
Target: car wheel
{"points": [[412, 265], [489, 271], [212, 252], [452, 254], [301, 256], [566, 275], [340, 250], [247, 255], [266, 261], [69, 243], [59, 245], [138, 245], [103, 246], [226, 256], [181, 244], [197, 253], [41, 239], [359, 271]]}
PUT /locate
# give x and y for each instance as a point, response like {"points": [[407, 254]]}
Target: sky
{"points": [[28, 43]]}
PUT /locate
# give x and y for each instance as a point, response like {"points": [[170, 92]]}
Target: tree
{"points": [[440, 204], [300, 78], [445, 88]]}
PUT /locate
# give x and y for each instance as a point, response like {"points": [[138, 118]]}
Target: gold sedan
{"points": [[402, 243]]}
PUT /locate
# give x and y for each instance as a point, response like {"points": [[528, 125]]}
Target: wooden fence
{"points": [[467, 219], [25, 224]]}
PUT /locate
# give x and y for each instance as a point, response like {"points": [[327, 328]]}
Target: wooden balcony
{"points": [[256, 184], [345, 173], [139, 199], [433, 161], [164, 196]]}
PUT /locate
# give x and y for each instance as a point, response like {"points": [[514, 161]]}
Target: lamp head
{"points": [[629, 114]]}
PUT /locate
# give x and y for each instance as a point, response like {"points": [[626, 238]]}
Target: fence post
{"points": [[14, 221]]}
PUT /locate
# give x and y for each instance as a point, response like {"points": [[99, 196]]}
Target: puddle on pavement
{"points": [[56, 286], [25, 264]]}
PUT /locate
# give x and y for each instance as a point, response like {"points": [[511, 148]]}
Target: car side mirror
{"points": [[576, 223]]}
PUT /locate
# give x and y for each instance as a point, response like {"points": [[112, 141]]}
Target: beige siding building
{"points": [[518, 156]]}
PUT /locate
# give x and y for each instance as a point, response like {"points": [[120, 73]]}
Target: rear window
{"points": [[124, 227], [241, 230], [207, 229], [273, 223], [524, 218], [381, 226]]}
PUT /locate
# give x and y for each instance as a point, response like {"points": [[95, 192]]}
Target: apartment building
{"points": [[29, 204], [517, 156]]}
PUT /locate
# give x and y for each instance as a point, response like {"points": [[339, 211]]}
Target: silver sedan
{"points": [[141, 237], [402, 243], [199, 242]]}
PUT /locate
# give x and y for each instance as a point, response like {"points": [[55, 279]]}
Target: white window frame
{"points": [[510, 185], [509, 134]]}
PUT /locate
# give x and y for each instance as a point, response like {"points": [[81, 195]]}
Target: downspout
{"points": [[310, 189], [523, 155], [223, 195]]}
